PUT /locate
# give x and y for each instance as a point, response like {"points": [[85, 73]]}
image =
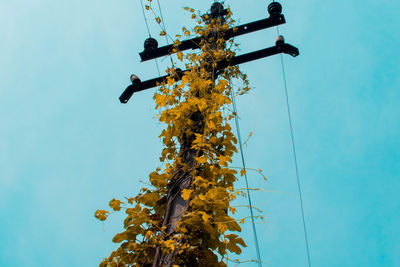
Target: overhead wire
{"points": [[245, 175], [165, 29], [234, 106], [149, 33], [295, 156], [145, 19]]}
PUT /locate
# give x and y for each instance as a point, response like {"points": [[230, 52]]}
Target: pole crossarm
{"points": [[194, 43], [138, 85], [266, 52]]}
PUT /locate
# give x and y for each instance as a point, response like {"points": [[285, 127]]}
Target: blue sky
{"points": [[67, 146]]}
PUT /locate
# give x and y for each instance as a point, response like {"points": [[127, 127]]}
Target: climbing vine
{"points": [[205, 234]]}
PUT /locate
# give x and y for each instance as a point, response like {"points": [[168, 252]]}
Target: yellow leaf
{"points": [[205, 216], [118, 238], [177, 42], [242, 172], [211, 125], [170, 81], [180, 55], [148, 234], [115, 204], [234, 226], [158, 180], [170, 244], [162, 33], [232, 244], [185, 80], [101, 215], [221, 227], [147, 7], [160, 100], [201, 160], [149, 199], [233, 210], [224, 160], [158, 20], [186, 193]]}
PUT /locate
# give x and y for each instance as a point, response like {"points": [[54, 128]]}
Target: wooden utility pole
{"points": [[176, 205]]}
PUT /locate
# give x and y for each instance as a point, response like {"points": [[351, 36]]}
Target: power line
{"points": [[145, 19], [148, 31], [245, 176], [165, 29], [295, 158]]}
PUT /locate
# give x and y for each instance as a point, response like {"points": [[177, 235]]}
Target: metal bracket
{"points": [[194, 43], [280, 47]]}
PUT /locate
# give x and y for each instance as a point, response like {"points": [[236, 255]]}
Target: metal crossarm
{"points": [[152, 51], [194, 43], [270, 51], [137, 85], [140, 86]]}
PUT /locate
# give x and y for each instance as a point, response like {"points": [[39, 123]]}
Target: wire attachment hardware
{"points": [[177, 73], [152, 51], [150, 44], [217, 10], [127, 94], [274, 9]]}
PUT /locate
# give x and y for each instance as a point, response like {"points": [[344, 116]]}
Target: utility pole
{"points": [[176, 205]]}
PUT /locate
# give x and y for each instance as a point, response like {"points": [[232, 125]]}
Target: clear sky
{"points": [[67, 146]]}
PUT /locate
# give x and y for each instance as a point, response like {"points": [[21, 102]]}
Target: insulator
{"points": [[178, 71], [150, 44], [216, 10], [280, 40], [274, 9], [135, 79]]}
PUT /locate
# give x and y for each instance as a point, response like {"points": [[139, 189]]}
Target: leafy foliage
{"points": [[203, 235]]}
